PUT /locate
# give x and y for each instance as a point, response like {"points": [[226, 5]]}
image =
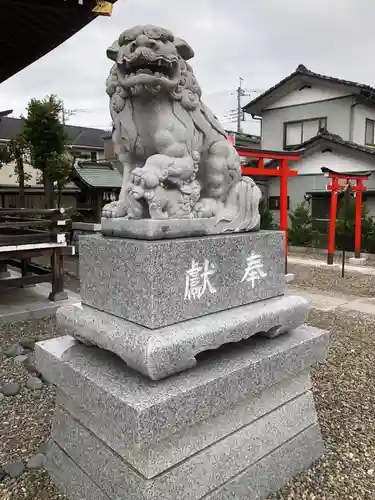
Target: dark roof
{"points": [[97, 174], [243, 140], [243, 135], [300, 75], [85, 136], [29, 29], [77, 136], [325, 138]]}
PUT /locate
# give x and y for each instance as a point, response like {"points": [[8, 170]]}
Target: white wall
{"points": [[360, 113], [307, 95], [339, 162], [8, 176], [337, 112]]}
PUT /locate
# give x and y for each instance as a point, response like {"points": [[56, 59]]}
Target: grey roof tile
{"points": [[77, 136], [301, 70]]}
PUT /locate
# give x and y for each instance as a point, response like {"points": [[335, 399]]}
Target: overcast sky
{"points": [[261, 41]]}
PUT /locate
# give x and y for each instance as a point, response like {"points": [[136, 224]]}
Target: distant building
{"points": [[84, 142], [245, 141], [330, 121]]}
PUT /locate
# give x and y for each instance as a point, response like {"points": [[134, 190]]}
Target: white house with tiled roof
{"points": [[329, 120], [84, 142]]}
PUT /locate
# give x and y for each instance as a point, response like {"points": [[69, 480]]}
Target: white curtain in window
{"points": [[293, 134], [310, 129]]}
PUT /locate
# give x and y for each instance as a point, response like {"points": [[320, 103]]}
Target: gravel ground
{"points": [[25, 419], [345, 398], [344, 394], [312, 278]]}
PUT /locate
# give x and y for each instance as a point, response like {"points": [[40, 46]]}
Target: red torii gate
{"points": [[335, 187], [283, 172]]}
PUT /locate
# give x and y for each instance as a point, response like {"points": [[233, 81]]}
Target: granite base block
{"points": [[150, 459], [69, 478], [158, 283], [165, 351], [196, 476], [141, 420], [273, 471], [256, 482]]}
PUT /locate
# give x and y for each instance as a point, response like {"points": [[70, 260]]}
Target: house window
{"points": [[274, 203], [296, 133], [370, 133], [94, 156]]}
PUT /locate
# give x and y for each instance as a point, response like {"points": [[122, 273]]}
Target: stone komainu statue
{"points": [[177, 160]]}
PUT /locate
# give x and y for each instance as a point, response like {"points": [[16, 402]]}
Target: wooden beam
{"points": [[27, 280], [33, 268]]}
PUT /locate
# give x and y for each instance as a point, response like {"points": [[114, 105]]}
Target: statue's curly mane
{"points": [[188, 91], [185, 99]]}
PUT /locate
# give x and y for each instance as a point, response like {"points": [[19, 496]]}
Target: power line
{"points": [[237, 115], [223, 92], [67, 113]]}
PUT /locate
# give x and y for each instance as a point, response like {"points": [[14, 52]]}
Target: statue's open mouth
{"points": [[156, 70]]}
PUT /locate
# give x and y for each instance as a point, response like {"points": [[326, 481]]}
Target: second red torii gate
{"points": [[335, 187]]}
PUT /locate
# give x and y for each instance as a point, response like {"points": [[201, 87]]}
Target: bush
{"points": [[266, 216], [301, 232], [345, 227]]}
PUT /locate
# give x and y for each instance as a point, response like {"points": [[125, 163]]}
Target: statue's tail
{"points": [[241, 210]]}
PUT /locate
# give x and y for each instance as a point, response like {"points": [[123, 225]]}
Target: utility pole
{"points": [[240, 93], [237, 115]]}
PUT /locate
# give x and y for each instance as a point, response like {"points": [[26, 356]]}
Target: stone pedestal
{"points": [[243, 420], [357, 261], [206, 392], [83, 228]]}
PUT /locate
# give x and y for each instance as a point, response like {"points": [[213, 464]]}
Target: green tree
{"points": [[301, 232], [47, 140], [61, 166], [266, 216], [17, 152]]}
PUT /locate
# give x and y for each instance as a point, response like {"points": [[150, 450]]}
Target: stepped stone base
{"points": [[237, 426], [164, 351]]}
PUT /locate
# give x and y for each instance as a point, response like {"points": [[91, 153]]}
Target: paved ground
{"points": [[22, 304], [319, 263], [322, 301]]}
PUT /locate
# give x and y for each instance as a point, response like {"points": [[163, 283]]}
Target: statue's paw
{"points": [[206, 208], [114, 210]]}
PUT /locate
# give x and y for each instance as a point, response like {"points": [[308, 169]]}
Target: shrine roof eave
{"points": [[97, 175], [31, 29]]}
